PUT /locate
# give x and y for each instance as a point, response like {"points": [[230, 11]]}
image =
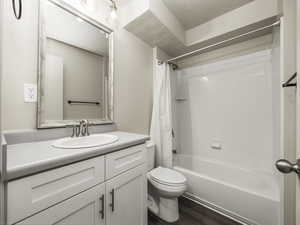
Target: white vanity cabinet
{"points": [[110, 189], [126, 204], [82, 209]]}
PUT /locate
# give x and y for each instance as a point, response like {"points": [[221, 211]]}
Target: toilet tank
{"points": [[150, 154]]}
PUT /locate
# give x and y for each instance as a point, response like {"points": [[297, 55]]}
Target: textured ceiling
{"points": [[192, 13]]}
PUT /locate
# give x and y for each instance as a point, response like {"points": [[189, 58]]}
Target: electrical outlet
{"points": [[30, 93]]}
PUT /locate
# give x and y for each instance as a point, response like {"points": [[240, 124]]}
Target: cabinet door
{"points": [[86, 208], [126, 198], [33, 194]]}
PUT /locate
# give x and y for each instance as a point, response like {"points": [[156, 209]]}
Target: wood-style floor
{"points": [[193, 214]]}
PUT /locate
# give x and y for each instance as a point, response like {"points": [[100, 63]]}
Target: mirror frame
{"points": [[109, 114]]}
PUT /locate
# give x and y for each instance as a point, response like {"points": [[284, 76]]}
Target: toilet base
{"points": [[168, 209]]}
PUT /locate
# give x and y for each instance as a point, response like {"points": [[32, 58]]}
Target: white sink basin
{"points": [[85, 142]]}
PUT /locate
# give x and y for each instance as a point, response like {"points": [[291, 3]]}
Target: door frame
{"points": [[2, 205], [297, 197], [289, 104]]}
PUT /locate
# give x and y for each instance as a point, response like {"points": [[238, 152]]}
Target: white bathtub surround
{"points": [[228, 131], [229, 103], [161, 124], [239, 193]]}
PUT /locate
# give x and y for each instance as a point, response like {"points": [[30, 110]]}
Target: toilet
{"points": [[164, 187]]}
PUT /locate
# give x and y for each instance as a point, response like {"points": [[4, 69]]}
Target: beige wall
{"points": [[83, 74], [133, 83], [160, 54], [133, 72], [19, 65]]}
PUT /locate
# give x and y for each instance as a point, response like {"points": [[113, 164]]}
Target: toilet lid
{"points": [[167, 176]]}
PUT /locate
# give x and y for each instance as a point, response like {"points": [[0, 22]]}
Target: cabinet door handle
{"points": [[102, 207], [112, 204]]}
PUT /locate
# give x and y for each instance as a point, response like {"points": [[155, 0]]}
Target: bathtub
{"points": [[250, 197]]}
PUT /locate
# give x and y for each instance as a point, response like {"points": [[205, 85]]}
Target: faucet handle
{"points": [[87, 128], [80, 122], [73, 126]]}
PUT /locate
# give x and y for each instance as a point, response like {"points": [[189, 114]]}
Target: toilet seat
{"points": [[171, 188], [167, 177]]}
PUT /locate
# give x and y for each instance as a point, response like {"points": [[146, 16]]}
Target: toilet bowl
{"points": [[164, 187], [167, 185]]}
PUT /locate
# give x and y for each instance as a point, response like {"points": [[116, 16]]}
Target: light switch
{"points": [[30, 93]]}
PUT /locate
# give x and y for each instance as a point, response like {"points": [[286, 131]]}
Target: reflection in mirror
{"points": [[75, 68]]}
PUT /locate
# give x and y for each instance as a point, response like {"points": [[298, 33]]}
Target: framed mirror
{"points": [[75, 78]]}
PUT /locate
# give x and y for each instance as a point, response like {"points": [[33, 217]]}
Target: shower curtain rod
{"points": [[170, 61]]}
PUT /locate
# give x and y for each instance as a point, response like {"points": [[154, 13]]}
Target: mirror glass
{"points": [[75, 77]]}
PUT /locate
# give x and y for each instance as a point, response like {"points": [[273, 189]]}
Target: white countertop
{"points": [[28, 158]]}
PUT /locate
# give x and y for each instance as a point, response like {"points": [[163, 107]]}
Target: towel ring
{"points": [[18, 14]]}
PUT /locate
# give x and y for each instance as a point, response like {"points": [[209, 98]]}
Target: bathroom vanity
{"points": [[46, 180], [90, 186]]}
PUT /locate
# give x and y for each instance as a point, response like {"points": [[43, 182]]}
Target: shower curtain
{"points": [[161, 124]]}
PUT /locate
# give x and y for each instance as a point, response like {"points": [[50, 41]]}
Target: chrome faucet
{"points": [[81, 129]]}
